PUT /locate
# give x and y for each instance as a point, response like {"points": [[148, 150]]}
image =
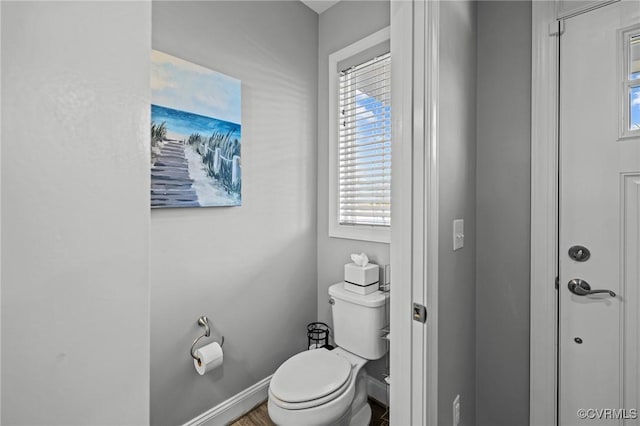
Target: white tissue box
{"points": [[361, 280]]}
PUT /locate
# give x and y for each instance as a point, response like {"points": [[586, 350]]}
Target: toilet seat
{"points": [[309, 404], [310, 379]]}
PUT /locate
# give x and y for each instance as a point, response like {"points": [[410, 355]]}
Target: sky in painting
{"points": [[185, 86]]}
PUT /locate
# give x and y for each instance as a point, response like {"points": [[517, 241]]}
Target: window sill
{"points": [[373, 234]]}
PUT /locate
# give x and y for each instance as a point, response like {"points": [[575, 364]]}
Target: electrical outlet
{"points": [[456, 410]]}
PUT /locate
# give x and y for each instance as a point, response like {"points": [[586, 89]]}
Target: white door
{"points": [[600, 211]]}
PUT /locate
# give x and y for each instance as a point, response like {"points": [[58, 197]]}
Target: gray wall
{"points": [[251, 269], [503, 212], [75, 213], [339, 26], [456, 270]]}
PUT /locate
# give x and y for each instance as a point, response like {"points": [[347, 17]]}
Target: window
{"points": [[360, 140], [631, 83]]}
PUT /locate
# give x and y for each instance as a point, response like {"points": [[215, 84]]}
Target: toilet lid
{"points": [[310, 375]]}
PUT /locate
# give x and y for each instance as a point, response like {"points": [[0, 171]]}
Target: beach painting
{"points": [[195, 135]]}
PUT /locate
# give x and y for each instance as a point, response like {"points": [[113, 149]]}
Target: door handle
{"points": [[582, 288]]}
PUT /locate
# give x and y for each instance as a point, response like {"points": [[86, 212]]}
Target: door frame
{"points": [[544, 214], [414, 235], [546, 19]]}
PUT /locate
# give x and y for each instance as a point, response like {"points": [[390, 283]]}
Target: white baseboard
{"points": [[377, 390], [233, 407], [241, 403]]}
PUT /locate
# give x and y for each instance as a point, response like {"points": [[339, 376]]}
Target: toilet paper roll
{"points": [[209, 358]]}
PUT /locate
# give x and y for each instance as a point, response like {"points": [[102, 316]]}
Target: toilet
{"points": [[329, 387]]}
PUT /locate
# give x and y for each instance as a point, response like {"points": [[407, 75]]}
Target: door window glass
{"points": [[630, 76], [634, 55], [634, 110]]}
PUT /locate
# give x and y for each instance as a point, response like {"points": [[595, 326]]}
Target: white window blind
{"points": [[365, 143]]}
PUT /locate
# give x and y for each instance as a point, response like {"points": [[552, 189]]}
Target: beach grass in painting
{"points": [[195, 135]]}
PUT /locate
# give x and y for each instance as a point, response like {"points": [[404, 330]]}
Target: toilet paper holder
{"points": [[203, 322]]}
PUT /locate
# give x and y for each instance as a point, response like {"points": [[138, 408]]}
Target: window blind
{"points": [[365, 143]]}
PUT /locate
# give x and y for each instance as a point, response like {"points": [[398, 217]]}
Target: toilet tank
{"points": [[358, 321]]}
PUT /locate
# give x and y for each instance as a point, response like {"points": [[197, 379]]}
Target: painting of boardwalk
{"points": [[195, 135]]}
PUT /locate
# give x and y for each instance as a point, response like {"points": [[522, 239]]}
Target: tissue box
{"points": [[361, 280]]}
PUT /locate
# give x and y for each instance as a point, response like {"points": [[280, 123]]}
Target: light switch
{"points": [[458, 234]]}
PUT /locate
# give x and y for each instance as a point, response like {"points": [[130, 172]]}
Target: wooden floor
{"points": [[260, 417]]}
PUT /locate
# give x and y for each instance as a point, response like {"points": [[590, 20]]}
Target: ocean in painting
{"points": [[184, 124]]}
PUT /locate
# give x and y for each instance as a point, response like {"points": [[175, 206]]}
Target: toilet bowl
{"points": [[320, 387]]}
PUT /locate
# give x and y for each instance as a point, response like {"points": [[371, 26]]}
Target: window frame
{"points": [[626, 83], [373, 233]]}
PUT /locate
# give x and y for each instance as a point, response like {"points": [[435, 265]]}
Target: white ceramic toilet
{"points": [[323, 387]]}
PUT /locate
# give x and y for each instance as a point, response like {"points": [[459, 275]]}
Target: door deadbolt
{"points": [[579, 253]]}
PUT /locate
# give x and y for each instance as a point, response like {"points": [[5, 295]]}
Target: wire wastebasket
{"points": [[318, 335]]}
